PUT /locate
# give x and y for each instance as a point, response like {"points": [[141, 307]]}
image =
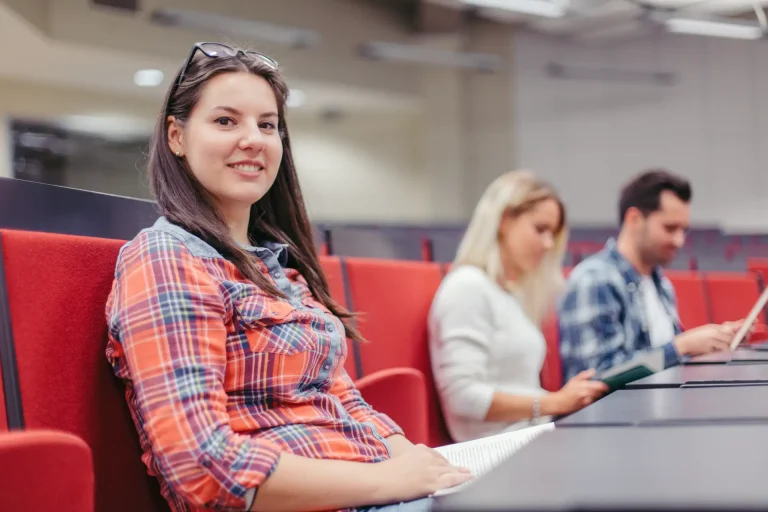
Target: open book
{"points": [[482, 455], [636, 368]]}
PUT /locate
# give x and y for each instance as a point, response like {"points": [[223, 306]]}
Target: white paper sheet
{"points": [[482, 455]]}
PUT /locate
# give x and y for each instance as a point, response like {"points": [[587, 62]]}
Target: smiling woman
{"points": [[222, 326], [231, 144]]}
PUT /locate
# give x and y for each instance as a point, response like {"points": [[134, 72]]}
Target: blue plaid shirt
{"points": [[601, 315]]}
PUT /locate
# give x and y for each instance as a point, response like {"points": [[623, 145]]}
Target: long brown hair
{"points": [[280, 215]]}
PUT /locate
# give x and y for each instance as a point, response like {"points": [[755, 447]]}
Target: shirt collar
{"points": [[263, 249], [627, 270], [266, 248]]}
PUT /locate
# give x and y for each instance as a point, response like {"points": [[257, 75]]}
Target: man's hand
{"points": [[736, 325], [704, 339]]}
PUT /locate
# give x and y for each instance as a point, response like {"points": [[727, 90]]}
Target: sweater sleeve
{"points": [[462, 327]]}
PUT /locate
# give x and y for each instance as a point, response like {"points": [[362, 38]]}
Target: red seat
{"points": [[692, 305], [758, 266], [57, 289], [331, 266], [552, 370], [731, 295], [45, 470], [334, 274], [394, 298]]}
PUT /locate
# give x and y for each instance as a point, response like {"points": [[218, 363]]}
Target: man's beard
{"points": [[649, 253]]}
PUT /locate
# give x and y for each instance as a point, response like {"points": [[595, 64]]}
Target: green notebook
{"points": [[635, 369]]}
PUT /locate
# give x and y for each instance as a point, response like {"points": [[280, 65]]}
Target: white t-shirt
{"points": [[481, 342], [660, 325]]}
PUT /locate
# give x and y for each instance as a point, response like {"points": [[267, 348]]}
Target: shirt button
{"points": [[276, 274], [631, 287], [326, 366], [329, 327]]}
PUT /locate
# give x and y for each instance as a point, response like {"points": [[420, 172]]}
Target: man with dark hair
{"points": [[618, 303]]}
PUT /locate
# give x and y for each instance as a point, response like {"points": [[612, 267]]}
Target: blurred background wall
{"points": [[409, 131]]}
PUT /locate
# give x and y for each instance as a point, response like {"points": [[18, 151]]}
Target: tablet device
{"points": [[750, 320]]}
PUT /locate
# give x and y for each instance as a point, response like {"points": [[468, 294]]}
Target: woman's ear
{"points": [[175, 136]]}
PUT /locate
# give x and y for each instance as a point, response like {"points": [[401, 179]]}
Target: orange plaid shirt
{"points": [[221, 379]]}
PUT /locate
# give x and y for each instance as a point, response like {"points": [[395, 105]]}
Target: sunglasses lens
{"points": [[216, 49], [213, 50], [263, 58]]}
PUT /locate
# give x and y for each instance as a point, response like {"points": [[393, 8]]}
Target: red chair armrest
{"points": [[401, 394], [44, 470]]}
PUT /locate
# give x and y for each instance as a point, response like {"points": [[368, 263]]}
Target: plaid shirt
{"points": [[601, 316], [221, 379]]}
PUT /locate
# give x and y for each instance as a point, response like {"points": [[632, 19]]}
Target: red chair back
{"points": [[45, 470], [552, 370], [758, 266], [331, 266], [394, 298], [334, 273], [731, 295], [692, 304], [57, 289]]}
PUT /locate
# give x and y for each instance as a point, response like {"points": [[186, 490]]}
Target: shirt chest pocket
{"points": [[271, 326]]}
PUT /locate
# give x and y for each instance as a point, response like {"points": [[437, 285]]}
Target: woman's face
{"points": [[231, 141], [526, 238]]}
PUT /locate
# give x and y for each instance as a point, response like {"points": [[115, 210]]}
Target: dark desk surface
{"points": [[704, 374], [737, 356], [676, 405], [662, 468]]}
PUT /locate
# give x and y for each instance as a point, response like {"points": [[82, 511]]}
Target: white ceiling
{"points": [[612, 21], [711, 6], [108, 71]]}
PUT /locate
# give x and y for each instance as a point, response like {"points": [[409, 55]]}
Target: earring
{"points": [[178, 154]]}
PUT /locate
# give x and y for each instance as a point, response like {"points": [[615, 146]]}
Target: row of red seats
{"points": [[55, 376]]}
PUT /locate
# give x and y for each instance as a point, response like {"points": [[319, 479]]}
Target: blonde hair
{"points": [[515, 193]]}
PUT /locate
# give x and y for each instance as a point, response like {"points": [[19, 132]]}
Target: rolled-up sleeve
{"points": [[461, 330], [169, 321]]}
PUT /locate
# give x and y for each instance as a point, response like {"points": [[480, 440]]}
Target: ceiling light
{"points": [[548, 9], [296, 98], [424, 55], [148, 77], [237, 28], [713, 28]]}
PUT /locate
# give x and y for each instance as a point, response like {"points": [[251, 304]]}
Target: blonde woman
{"points": [[486, 343]]}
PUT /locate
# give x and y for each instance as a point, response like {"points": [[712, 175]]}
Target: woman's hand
{"points": [[417, 473], [399, 445], [577, 393]]}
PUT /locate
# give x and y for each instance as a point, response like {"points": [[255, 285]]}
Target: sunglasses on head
{"points": [[213, 50]]}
